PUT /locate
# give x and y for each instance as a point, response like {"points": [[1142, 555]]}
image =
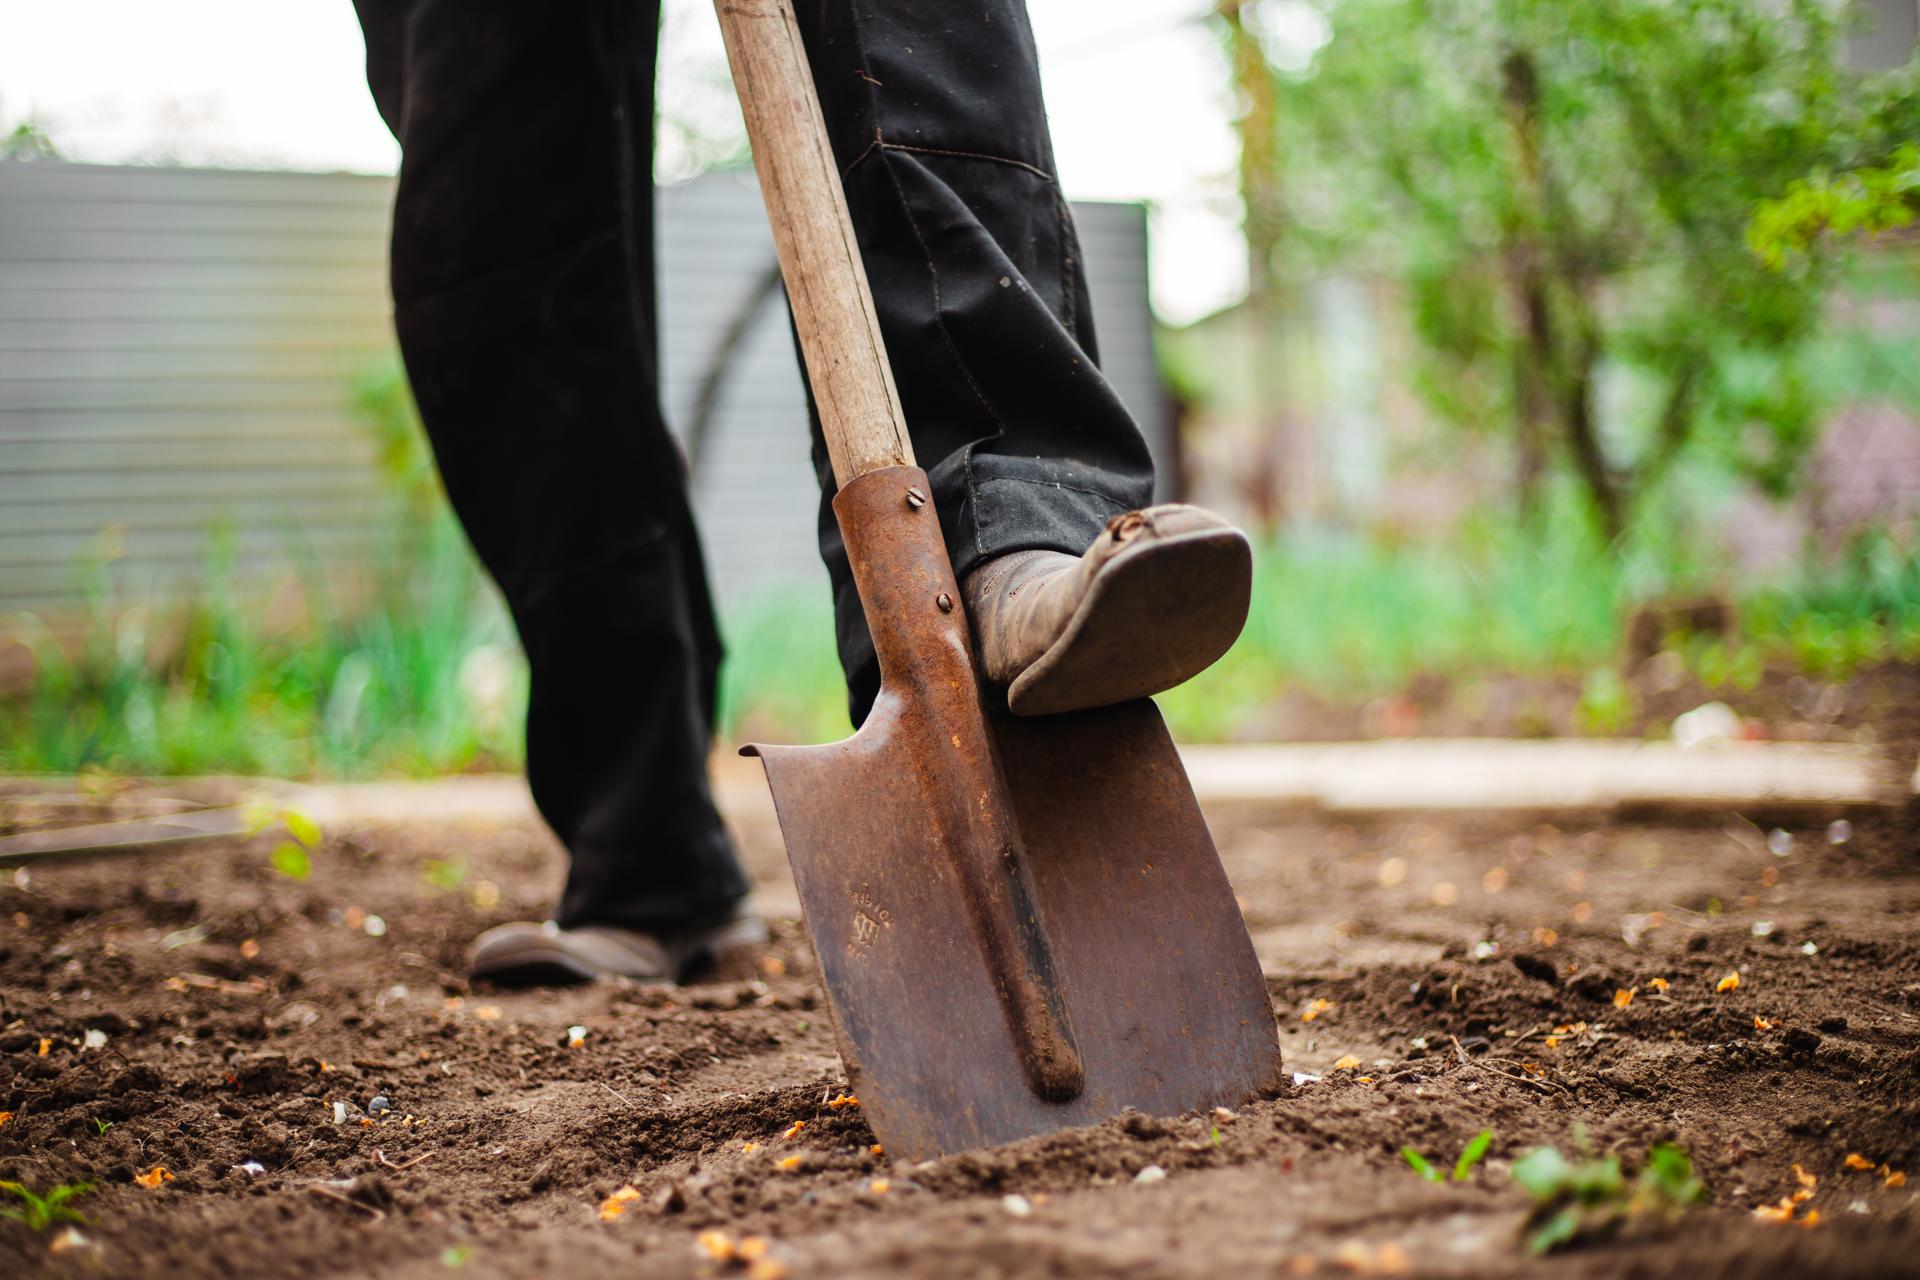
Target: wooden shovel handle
{"points": [[819, 257]]}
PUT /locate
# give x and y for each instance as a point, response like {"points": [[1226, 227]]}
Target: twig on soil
{"points": [[1545, 1086], [615, 1092], [379, 1215], [380, 1156]]}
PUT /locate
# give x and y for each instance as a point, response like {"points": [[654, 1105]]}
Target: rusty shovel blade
{"points": [[1022, 924]]}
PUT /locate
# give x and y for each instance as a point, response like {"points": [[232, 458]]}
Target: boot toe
{"points": [[1152, 617]]}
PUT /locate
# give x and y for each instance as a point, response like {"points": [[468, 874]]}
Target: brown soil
{"points": [[238, 1007], [1783, 705]]}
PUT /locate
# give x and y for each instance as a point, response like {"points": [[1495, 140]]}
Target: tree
{"points": [[28, 140], [1564, 191]]}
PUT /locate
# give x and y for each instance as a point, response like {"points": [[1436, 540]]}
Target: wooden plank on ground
{"points": [[1565, 774]]}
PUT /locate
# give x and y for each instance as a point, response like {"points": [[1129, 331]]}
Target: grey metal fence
{"points": [[179, 347]]}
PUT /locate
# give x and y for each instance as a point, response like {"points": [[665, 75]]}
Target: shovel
{"points": [[1022, 923]]}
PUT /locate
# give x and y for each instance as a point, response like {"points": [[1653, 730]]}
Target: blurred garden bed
{"points": [[1489, 634]]}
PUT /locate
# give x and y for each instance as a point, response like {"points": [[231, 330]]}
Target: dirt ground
{"points": [[198, 1011]]}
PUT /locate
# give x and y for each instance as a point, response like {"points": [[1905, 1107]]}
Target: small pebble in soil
{"points": [[1018, 1206], [1809, 948], [1152, 1173], [1839, 831], [1762, 928], [252, 1168], [375, 927], [378, 1104], [1779, 842]]}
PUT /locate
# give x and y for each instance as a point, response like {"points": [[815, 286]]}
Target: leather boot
{"points": [[528, 954], [1156, 599]]}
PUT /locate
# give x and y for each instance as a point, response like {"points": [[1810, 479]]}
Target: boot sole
{"points": [[548, 962], [1154, 617]]}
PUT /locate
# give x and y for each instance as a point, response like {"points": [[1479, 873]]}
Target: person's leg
{"points": [[523, 292], [937, 122]]}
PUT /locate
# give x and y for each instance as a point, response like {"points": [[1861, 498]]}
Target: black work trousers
{"points": [[523, 288]]}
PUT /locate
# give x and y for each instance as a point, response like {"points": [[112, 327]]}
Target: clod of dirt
{"points": [[1536, 967], [1137, 1125], [1595, 984], [1801, 1042]]}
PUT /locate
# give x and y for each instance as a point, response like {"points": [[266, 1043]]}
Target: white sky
{"points": [[1135, 89]]}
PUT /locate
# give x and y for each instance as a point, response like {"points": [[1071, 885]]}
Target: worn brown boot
{"points": [[1156, 599], [529, 954]]}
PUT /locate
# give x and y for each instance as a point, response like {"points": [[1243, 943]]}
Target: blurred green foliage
{"points": [[1563, 194], [207, 686], [1869, 201], [1589, 1198], [1355, 618], [425, 678]]}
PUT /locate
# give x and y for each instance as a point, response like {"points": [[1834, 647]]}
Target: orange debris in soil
{"points": [[1624, 997], [1729, 983], [616, 1204], [153, 1177]]}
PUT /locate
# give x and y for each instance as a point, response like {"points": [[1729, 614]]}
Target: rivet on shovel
{"points": [[945, 602], [916, 499]]}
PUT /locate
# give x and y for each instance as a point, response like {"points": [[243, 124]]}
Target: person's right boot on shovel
{"points": [[523, 282]]}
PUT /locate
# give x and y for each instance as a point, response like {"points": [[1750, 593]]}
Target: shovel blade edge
{"points": [[1156, 973]]}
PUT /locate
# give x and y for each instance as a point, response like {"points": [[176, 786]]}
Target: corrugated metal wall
{"points": [[178, 348]]}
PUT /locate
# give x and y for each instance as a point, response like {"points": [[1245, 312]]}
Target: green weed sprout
{"points": [[41, 1212], [1591, 1198], [1474, 1152], [291, 858]]}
